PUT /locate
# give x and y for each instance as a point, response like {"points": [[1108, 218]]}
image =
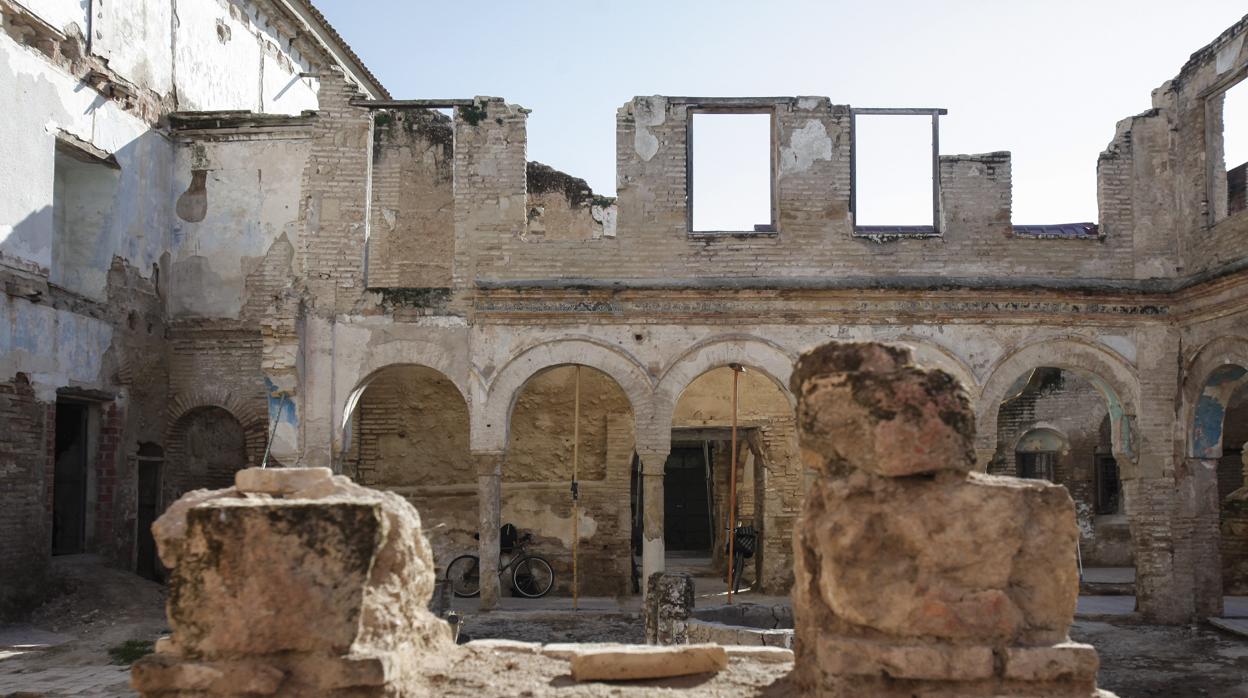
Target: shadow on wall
{"points": [[101, 205], [30, 237]]}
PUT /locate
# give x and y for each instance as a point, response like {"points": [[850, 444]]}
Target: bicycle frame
{"points": [[518, 553]]}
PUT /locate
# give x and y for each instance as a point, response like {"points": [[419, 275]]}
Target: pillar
{"points": [[489, 506], [652, 551], [1198, 534]]}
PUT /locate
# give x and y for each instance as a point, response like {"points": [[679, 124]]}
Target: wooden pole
{"points": [[576, 454], [732, 481]]}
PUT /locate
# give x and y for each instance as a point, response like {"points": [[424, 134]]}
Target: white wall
{"points": [[60, 13], [228, 62], [39, 101], [135, 37]]}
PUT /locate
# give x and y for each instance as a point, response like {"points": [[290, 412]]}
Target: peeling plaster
{"points": [[1227, 55], [529, 514], [648, 111], [806, 145]]}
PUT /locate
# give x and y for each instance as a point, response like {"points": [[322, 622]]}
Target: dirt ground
{"points": [[106, 608]]}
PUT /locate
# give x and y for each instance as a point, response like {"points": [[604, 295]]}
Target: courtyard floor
{"points": [[65, 648]]}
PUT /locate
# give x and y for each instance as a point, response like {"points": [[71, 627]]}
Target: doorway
{"points": [[69, 479], [150, 461], [687, 500]]}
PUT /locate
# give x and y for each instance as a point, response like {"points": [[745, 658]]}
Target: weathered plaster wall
{"points": [[218, 54], [237, 203], [42, 101], [537, 474], [61, 14]]}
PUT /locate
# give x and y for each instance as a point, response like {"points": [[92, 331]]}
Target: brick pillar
{"points": [[1197, 534], [110, 435]]}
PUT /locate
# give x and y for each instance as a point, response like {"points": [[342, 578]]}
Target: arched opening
{"points": [[1216, 469], [538, 471], [206, 447], [1054, 424], [769, 480], [409, 434], [1233, 497]]}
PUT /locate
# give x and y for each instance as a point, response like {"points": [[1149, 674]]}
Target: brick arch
{"points": [[343, 443], [752, 352], [491, 423], [250, 417], [1213, 375], [350, 380], [1111, 374]]}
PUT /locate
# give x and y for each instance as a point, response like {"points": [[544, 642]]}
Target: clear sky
{"points": [[1046, 80]]}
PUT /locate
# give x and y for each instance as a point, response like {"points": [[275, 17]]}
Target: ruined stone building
{"points": [[221, 238]]}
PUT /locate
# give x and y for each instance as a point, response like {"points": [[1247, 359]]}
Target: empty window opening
{"points": [[84, 187], [894, 171], [1235, 148], [70, 479], [731, 172]]}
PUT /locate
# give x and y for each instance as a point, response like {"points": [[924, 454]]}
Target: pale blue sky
{"points": [[1044, 80]]}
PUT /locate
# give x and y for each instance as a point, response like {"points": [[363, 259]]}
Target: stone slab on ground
{"points": [[1239, 626], [26, 637], [1092, 606], [763, 654], [631, 663]]}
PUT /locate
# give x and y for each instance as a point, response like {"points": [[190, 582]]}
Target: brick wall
{"points": [[335, 183], [815, 236], [25, 493], [412, 231], [109, 445], [1075, 409]]}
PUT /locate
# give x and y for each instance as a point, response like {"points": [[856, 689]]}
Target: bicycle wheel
{"points": [[532, 577], [464, 576]]}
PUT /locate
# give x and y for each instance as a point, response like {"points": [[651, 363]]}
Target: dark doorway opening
{"points": [[150, 462], [69, 479], [687, 522]]}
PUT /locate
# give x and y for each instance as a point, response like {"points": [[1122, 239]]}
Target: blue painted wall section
{"points": [[281, 405]]}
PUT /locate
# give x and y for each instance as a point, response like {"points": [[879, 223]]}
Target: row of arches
{"points": [[652, 395], [632, 412]]}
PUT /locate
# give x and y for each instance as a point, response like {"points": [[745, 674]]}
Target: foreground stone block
{"points": [[914, 576], [294, 583], [647, 662]]}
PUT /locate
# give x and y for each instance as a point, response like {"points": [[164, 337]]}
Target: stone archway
{"points": [[1113, 377]]}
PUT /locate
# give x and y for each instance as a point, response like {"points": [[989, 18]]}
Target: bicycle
{"points": [[744, 541], [531, 575]]}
